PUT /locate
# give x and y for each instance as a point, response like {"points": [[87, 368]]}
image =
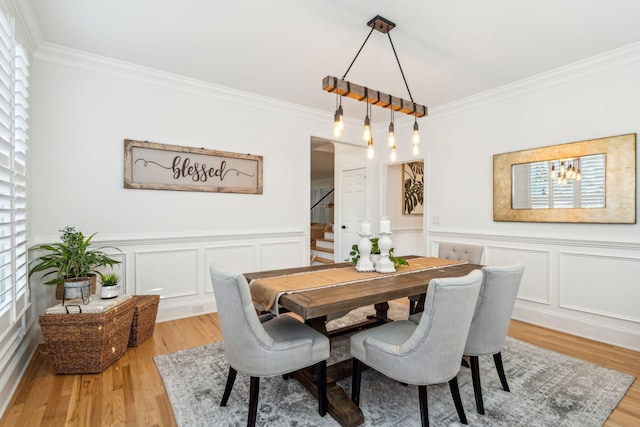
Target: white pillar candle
{"points": [[385, 225], [365, 227]]}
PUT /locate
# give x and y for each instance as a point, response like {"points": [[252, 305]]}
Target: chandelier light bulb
{"points": [[392, 139], [370, 152], [366, 135], [416, 150], [337, 128], [416, 134], [393, 156]]}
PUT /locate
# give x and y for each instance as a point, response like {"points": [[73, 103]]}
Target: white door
{"points": [[353, 209]]}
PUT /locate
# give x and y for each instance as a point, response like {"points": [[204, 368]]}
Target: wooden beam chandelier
{"points": [[342, 87]]}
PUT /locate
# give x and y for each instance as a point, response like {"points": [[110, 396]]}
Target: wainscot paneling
{"points": [[233, 257], [279, 254], [177, 267], [172, 272], [408, 241], [536, 279], [582, 286], [600, 284]]}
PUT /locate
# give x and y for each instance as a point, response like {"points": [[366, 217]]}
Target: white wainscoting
{"points": [[176, 267], [588, 287]]}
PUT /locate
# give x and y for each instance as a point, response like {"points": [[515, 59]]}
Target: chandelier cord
{"points": [[399, 66], [360, 50]]}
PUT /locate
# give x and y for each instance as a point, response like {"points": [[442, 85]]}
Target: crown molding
{"points": [[80, 60], [26, 25], [593, 65]]}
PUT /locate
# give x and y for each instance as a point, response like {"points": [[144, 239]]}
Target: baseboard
{"points": [[180, 311], [621, 337], [16, 369]]}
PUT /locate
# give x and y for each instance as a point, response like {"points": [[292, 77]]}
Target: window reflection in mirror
{"points": [[562, 183]]}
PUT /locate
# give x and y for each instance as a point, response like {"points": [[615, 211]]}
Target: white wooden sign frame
{"points": [[154, 166]]}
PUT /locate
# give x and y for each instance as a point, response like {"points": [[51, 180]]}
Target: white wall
{"points": [[83, 107], [579, 278]]}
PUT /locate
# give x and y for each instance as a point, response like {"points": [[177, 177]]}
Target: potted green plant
{"points": [[71, 262], [110, 286]]}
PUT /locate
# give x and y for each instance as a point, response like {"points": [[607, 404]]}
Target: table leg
{"points": [[420, 303], [381, 311], [340, 406]]}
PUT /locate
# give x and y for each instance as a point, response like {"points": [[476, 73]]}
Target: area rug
{"points": [[547, 389]]}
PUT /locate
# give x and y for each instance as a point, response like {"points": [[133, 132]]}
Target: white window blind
{"points": [[14, 94]]}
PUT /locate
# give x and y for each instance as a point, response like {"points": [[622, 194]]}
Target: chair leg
{"points": [[477, 387], [424, 406], [455, 392], [322, 388], [355, 381], [254, 391], [497, 359], [231, 378]]}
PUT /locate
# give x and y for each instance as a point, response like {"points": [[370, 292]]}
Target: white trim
{"points": [[610, 334], [181, 237], [557, 239], [77, 59], [589, 66]]}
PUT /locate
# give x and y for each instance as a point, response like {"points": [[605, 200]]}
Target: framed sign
{"points": [[154, 166], [413, 188]]}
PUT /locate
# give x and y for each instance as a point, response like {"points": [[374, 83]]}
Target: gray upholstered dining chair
{"points": [[491, 320], [425, 353], [454, 251], [276, 347]]}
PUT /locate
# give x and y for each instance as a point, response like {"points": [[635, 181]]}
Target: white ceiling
{"points": [[283, 48]]}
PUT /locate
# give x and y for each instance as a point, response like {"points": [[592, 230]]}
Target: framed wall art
{"points": [[413, 188], [154, 166]]}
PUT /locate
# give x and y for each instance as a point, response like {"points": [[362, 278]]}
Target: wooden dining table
{"points": [[315, 304]]}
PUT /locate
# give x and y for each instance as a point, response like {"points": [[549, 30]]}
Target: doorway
{"points": [[328, 160]]}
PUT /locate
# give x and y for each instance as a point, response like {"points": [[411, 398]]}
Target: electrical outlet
{"points": [[198, 308]]}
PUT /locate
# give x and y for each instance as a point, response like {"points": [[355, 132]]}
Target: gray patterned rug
{"points": [[547, 389]]}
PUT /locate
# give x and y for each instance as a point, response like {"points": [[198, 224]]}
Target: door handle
{"points": [[343, 227]]}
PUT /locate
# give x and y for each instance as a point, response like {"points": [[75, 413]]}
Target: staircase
{"points": [[322, 249]]}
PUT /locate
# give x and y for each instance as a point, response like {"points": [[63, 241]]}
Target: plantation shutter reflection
{"points": [[534, 187], [592, 186]]}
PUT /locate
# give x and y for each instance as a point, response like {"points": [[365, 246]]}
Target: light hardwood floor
{"points": [[131, 393]]}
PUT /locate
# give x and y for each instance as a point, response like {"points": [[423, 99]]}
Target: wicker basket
{"points": [[144, 318], [87, 343]]}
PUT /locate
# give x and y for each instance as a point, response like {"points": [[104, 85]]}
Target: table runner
{"points": [[267, 291]]}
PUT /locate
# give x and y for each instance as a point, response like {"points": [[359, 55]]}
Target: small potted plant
{"points": [[110, 286], [70, 262]]}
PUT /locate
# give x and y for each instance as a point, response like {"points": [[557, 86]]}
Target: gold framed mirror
{"points": [[591, 181]]}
